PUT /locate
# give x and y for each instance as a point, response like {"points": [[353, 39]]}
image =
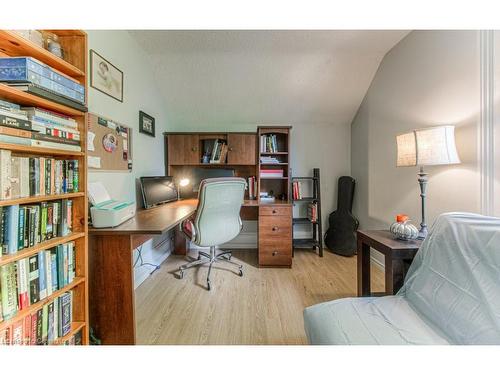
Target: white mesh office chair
{"points": [[217, 221]]}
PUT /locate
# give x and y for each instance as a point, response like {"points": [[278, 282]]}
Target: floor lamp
{"points": [[427, 146]]}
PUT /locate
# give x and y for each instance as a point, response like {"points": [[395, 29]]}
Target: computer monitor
{"points": [[158, 190]]}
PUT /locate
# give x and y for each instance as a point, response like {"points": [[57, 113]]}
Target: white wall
{"points": [[326, 146], [140, 93], [430, 78]]}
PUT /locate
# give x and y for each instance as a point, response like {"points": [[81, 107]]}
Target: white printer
{"points": [[106, 212]]}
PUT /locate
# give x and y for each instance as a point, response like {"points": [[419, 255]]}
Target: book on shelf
{"points": [[34, 279], [10, 120], [8, 287], [42, 133], [40, 122], [268, 143], [297, 190], [12, 115], [26, 281], [22, 283], [271, 173], [218, 153], [47, 117], [269, 160], [28, 70], [22, 177], [5, 174], [39, 91], [312, 212], [28, 225]]}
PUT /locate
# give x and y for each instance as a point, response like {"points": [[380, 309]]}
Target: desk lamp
{"points": [[422, 147], [182, 183]]}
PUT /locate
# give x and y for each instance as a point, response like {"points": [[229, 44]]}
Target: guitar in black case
{"points": [[341, 234]]}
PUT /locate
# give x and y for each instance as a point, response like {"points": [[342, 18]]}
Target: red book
{"points": [[5, 336], [22, 283], [27, 330], [17, 332], [34, 320]]}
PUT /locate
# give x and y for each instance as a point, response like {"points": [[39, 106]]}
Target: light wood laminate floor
{"points": [[263, 307]]}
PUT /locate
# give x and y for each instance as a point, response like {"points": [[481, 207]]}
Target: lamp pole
{"points": [[422, 181]]}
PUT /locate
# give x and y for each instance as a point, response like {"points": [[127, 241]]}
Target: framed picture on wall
{"points": [[146, 124], [105, 77]]}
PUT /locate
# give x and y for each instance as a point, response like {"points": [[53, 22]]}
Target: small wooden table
{"points": [[398, 255]]}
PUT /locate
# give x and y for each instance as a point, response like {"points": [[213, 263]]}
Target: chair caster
{"points": [[208, 285], [229, 257], [241, 272], [199, 257], [181, 274]]}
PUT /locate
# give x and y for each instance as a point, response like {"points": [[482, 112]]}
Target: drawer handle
{"points": [[274, 211], [231, 149], [275, 253], [193, 149], [275, 229]]}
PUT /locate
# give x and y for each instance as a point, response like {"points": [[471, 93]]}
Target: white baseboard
{"points": [[154, 252]]}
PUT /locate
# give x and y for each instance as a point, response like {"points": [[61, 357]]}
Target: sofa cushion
{"points": [[386, 320]]}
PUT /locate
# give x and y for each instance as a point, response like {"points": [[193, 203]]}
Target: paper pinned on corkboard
{"points": [[108, 144]]}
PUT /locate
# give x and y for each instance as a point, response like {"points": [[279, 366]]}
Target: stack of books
{"points": [[312, 212], [30, 75], [44, 326], [219, 152], [297, 190], [271, 173], [27, 225], [252, 187], [268, 143], [269, 160], [38, 127], [32, 176], [53, 126]]}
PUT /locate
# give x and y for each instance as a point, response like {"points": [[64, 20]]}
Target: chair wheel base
{"points": [[181, 274], [240, 273]]}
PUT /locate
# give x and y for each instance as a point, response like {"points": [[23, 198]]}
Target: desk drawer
{"points": [[278, 255], [275, 210], [273, 227]]}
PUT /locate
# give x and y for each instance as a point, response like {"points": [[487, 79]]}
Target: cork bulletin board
{"points": [[108, 145]]}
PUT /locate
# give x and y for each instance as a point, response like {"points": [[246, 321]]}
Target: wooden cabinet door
{"points": [[242, 149], [183, 149]]}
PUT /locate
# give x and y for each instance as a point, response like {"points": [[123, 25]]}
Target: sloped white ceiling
{"points": [[216, 78]]}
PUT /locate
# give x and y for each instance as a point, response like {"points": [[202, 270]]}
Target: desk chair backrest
{"points": [[218, 215], [454, 281]]}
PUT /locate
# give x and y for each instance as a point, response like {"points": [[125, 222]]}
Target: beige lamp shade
{"points": [[428, 146]]}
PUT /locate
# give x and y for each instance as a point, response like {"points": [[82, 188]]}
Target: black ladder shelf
{"points": [[316, 242]]}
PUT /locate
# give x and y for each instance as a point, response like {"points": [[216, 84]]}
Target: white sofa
{"points": [[451, 294]]}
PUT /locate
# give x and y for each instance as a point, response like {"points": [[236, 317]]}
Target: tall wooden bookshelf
{"points": [[74, 42], [279, 186]]}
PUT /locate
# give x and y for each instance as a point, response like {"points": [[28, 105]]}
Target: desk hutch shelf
{"points": [[74, 42], [247, 157]]}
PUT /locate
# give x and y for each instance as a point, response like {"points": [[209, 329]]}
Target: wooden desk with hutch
{"points": [[112, 310], [184, 152]]}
